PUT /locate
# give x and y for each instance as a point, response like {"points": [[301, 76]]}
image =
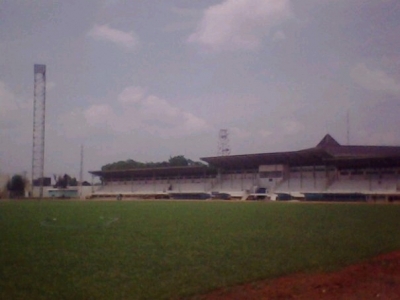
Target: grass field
{"points": [[162, 250]]}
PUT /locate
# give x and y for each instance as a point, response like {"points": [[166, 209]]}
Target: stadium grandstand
{"points": [[327, 172]]}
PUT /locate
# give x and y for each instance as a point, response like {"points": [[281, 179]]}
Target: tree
{"points": [[178, 161], [175, 161], [73, 182], [16, 186], [63, 182]]}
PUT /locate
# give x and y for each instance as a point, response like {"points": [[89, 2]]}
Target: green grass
{"points": [[163, 250]]}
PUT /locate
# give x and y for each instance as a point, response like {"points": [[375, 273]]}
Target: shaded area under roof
{"points": [[155, 172]]}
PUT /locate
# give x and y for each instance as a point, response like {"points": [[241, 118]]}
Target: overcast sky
{"points": [[146, 80]]}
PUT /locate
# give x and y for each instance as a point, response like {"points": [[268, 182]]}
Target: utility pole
{"points": [[81, 174]]}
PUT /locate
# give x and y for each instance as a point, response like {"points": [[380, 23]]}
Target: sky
{"points": [[147, 80]]}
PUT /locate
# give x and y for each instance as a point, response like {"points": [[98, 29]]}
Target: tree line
{"points": [[175, 161]]}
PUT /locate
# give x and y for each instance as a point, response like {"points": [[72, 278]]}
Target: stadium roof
{"points": [[327, 152]]}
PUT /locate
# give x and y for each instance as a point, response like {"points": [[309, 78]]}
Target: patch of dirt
{"points": [[378, 278]]}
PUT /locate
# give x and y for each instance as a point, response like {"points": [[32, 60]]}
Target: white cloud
{"points": [[375, 80], [158, 116], [99, 114], [132, 94], [128, 40], [239, 24], [137, 111]]}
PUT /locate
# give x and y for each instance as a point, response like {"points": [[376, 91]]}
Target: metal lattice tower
{"points": [[39, 113], [223, 143]]}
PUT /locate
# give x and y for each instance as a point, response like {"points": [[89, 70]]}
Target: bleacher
{"points": [[245, 186], [366, 185], [236, 186], [306, 182]]}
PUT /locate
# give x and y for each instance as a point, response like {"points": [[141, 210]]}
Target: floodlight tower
{"points": [[38, 136], [223, 143]]}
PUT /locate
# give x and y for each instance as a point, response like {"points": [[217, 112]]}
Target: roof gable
{"points": [[328, 141]]}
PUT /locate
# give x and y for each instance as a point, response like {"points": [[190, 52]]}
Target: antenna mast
{"points": [[223, 143], [348, 128]]}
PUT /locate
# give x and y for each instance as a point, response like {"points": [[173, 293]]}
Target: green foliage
{"points": [[169, 250], [73, 182], [178, 161], [175, 161], [63, 182], [16, 186]]}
